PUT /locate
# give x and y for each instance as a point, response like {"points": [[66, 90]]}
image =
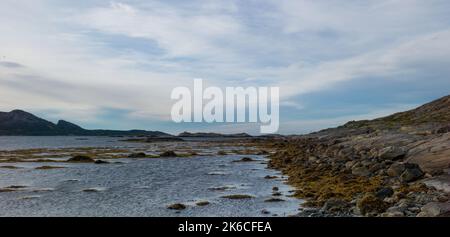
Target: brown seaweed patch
{"points": [[238, 196], [10, 167]]}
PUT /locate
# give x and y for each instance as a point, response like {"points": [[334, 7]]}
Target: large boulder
{"points": [[384, 192], [392, 153], [396, 169], [434, 209], [412, 173]]}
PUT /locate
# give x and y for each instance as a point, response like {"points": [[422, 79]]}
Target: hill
{"points": [[22, 123]]}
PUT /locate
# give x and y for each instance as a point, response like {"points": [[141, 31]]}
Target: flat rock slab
{"points": [[440, 182], [435, 209]]}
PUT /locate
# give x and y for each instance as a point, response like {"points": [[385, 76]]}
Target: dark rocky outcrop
{"points": [[81, 159], [177, 206], [215, 135], [137, 155], [245, 159], [168, 154]]}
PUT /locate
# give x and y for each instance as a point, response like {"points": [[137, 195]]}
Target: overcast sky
{"points": [[113, 64]]}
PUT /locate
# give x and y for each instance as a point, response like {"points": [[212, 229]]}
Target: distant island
{"points": [[22, 123]]}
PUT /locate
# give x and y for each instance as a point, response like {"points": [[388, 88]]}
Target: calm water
{"points": [[24, 142], [139, 187]]}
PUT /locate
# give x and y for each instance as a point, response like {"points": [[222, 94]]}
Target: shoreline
{"points": [[336, 180]]}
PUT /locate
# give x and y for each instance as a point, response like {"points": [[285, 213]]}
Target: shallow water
{"points": [[31, 142], [143, 187]]}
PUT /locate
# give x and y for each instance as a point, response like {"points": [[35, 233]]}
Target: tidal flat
{"points": [[107, 176]]}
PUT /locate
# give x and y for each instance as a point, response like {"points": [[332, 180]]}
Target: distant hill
{"points": [[427, 116], [21, 123]]}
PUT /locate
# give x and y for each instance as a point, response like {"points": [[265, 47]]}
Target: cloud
{"points": [[78, 57], [178, 32], [10, 64]]}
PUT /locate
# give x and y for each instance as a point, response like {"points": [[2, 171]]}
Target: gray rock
{"points": [[349, 164], [392, 153], [265, 212], [412, 173], [393, 214], [361, 171], [396, 169], [384, 192], [312, 159], [375, 168], [434, 209]]}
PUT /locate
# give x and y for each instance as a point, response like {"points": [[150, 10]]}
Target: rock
{"points": [[168, 154], [411, 173], [396, 169], [393, 214], [262, 152], [335, 205], [392, 153], [312, 159], [434, 209], [81, 159], [46, 167], [91, 190], [177, 206], [384, 193], [17, 186], [361, 171], [444, 129], [221, 153], [394, 209], [245, 159], [390, 200], [5, 190], [202, 203], [137, 155], [9, 167], [265, 212], [221, 188], [270, 177], [101, 162], [274, 200], [276, 194], [369, 205], [275, 189], [237, 196], [349, 164], [376, 167]]}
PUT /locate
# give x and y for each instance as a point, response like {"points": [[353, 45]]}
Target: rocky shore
{"points": [[389, 167]]}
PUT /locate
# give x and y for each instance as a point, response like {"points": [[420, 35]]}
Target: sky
{"points": [[113, 64]]}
